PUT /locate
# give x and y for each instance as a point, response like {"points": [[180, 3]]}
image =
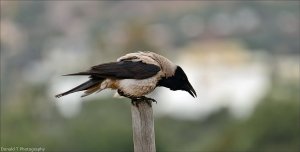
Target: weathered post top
{"points": [[143, 127]]}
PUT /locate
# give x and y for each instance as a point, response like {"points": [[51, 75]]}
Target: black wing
{"points": [[122, 70]]}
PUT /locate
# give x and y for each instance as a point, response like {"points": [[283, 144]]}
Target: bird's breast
{"points": [[137, 88]]}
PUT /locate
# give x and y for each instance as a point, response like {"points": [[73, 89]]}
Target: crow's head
{"points": [[178, 81]]}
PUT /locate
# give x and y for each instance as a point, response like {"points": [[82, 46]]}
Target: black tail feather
{"points": [[79, 73], [84, 86]]}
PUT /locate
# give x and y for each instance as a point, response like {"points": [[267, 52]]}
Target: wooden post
{"points": [[143, 127]]}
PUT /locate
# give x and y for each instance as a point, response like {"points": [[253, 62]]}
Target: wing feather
{"points": [[122, 70]]}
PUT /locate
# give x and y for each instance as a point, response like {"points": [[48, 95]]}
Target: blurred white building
{"points": [[223, 75]]}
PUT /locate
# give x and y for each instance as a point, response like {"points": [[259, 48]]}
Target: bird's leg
{"points": [[148, 100], [135, 101]]}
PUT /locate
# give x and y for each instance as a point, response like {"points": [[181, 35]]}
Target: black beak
{"points": [[191, 90]]}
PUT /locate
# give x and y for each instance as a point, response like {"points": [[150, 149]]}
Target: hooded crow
{"points": [[134, 75]]}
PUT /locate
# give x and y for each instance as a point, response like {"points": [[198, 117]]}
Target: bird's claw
{"points": [[149, 101], [135, 102]]}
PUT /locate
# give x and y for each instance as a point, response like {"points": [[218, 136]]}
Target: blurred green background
{"points": [[241, 57]]}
